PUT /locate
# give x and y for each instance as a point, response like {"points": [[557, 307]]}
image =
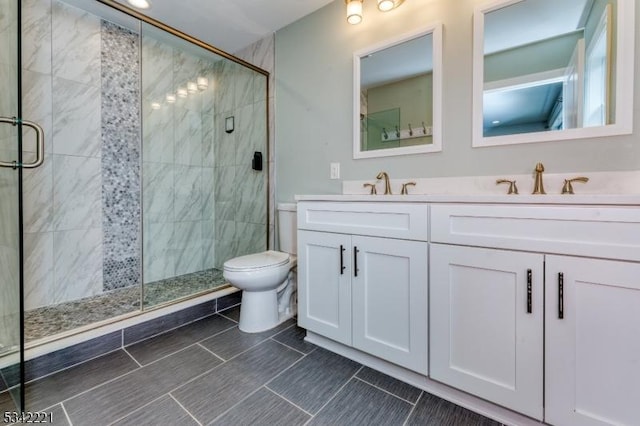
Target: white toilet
{"points": [[267, 279]]}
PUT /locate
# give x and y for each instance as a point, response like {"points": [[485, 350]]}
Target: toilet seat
{"points": [[258, 261]]}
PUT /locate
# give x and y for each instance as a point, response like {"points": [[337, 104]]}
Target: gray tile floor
{"points": [[208, 372]]}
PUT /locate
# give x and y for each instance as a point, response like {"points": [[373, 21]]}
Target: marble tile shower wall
{"points": [[241, 192], [63, 206], [67, 247], [82, 94], [178, 164], [262, 54], [203, 203]]}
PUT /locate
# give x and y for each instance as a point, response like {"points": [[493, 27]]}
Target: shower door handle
{"points": [[39, 143]]}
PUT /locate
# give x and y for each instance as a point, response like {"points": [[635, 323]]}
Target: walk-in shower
{"points": [[147, 184]]}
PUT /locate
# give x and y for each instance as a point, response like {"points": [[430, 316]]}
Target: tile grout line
{"points": [[64, 410], [336, 394], [229, 318], [236, 404], [117, 419], [295, 405], [413, 409], [183, 348], [184, 408], [289, 347], [211, 369], [211, 352], [286, 369], [134, 360], [72, 366], [385, 391], [159, 359], [129, 372], [167, 330]]}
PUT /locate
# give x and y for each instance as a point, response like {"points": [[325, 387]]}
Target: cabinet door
{"points": [[483, 338], [324, 284], [390, 300], [593, 352]]}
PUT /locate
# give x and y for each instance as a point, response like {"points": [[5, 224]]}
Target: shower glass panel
{"points": [[81, 79], [10, 238], [148, 184], [204, 202]]}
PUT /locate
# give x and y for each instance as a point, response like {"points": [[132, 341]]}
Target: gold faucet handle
{"points": [[567, 188], [513, 189], [373, 188], [405, 190]]}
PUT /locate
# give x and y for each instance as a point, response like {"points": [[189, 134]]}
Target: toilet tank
{"points": [[287, 227]]}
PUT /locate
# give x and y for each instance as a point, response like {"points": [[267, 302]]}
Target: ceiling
{"points": [[511, 110], [230, 25], [407, 59], [532, 20]]}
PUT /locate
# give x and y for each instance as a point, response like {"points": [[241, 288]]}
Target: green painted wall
{"points": [[314, 105], [414, 98]]}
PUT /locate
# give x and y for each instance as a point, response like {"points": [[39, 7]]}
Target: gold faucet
{"points": [[513, 189], [373, 188], [568, 188], [405, 190], [538, 187], [387, 185]]}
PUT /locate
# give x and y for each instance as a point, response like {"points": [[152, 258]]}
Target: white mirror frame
{"points": [[436, 31], [625, 56]]}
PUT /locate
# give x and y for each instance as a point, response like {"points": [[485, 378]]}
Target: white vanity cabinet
{"points": [[484, 340], [362, 277], [592, 349], [487, 324]]}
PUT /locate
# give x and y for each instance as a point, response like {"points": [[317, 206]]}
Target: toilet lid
{"points": [[266, 259]]}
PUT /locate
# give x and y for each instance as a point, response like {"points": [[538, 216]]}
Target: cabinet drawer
{"points": [[607, 232], [393, 220]]}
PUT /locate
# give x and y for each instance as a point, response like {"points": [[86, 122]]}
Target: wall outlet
{"points": [[335, 171]]}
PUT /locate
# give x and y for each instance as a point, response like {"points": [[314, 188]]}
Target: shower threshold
{"points": [[51, 320]]}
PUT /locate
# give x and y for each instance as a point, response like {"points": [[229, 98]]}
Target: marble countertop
{"points": [[555, 199]]}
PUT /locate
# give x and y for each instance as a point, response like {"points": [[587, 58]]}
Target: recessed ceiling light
{"points": [[495, 122], [140, 4]]}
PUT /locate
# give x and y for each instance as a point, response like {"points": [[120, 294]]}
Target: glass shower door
{"points": [[11, 353]]}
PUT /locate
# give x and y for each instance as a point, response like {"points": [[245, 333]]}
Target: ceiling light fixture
{"points": [[192, 87], [140, 4], [354, 8], [387, 5], [171, 98], [182, 92], [354, 11]]}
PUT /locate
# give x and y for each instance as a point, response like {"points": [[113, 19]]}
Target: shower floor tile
{"points": [[52, 320], [269, 380]]}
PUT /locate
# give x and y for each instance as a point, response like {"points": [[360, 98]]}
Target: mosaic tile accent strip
{"points": [[120, 156]]}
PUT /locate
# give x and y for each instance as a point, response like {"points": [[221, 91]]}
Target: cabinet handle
{"points": [[529, 291], [342, 267], [560, 295], [355, 261]]}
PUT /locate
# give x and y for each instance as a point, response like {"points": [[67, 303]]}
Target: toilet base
{"points": [[259, 311]]}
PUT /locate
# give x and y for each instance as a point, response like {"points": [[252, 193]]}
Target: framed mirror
{"points": [[398, 96], [547, 70]]}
